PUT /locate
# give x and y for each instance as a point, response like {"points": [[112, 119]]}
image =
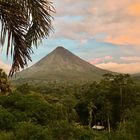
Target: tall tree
{"points": [[24, 23], [4, 84], [91, 106]]}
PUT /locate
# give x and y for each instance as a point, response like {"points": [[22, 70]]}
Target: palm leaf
{"points": [[24, 23]]}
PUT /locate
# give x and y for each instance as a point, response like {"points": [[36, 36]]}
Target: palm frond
{"points": [[24, 23], [41, 20]]}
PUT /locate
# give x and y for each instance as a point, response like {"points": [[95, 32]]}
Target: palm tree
{"points": [[24, 23]]}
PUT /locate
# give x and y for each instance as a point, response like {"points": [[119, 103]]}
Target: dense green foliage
{"points": [[54, 111], [4, 84]]}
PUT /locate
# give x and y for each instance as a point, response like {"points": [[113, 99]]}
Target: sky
{"points": [[106, 33]]}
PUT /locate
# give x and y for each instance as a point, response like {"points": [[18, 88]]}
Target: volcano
{"points": [[62, 65]]}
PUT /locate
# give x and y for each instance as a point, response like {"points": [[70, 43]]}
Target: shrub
{"points": [[7, 120], [29, 131], [7, 136]]}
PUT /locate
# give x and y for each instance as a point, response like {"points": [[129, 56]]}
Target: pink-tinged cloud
{"points": [[83, 41], [96, 60], [101, 60], [124, 39], [4, 66], [108, 57], [132, 58], [130, 68], [119, 20]]}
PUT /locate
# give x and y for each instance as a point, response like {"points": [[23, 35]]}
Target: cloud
{"points": [[96, 60], [130, 68], [4, 66], [108, 57], [127, 39], [101, 60], [74, 8], [131, 58], [134, 9], [86, 19]]}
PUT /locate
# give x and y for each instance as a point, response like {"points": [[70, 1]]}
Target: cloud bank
{"points": [[86, 19], [130, 68]]}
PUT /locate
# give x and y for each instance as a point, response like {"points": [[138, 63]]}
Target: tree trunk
{"points": [[108, 121], [90, 118]]}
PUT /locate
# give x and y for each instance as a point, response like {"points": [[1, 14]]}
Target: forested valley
{"points": [[54, 111]]}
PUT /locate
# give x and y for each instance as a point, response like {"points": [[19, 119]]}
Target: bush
{"points": [[29, 131], [7, 120], [63, 130], [7, 136]]}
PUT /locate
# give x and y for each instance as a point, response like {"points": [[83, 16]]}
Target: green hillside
{"points": [[136, 78]]}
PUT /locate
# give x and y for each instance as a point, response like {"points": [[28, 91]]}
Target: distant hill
{"points": [[136, 78], [136, 75], [61, 65]]}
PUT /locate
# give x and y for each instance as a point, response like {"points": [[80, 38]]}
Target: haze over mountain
{"points": [[62, 65]]}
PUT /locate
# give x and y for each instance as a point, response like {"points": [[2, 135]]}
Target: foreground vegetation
{"points": [[67, 112]]}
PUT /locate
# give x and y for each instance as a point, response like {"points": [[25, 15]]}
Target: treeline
{"points": [[68, 112]]}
